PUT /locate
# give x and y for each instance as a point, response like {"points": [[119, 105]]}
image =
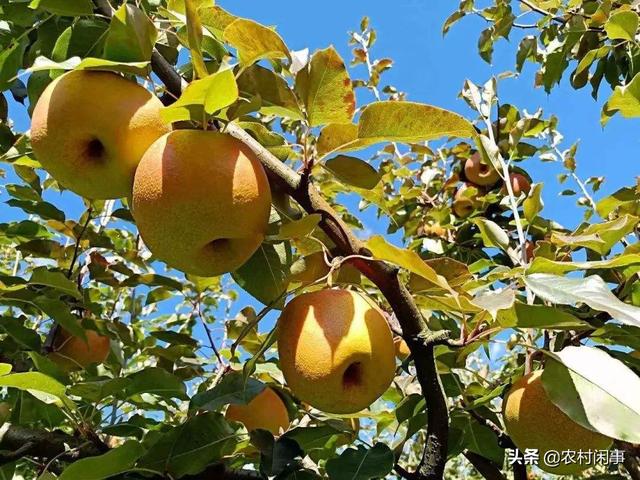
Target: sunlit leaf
{"points": [[353, 171], [325, 89], [131, 36], [596, 391], [117, 461], [254, 41], [410, 122], [591, 290]]}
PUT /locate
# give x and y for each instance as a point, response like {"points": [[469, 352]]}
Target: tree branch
{"points": [[23, 441]]}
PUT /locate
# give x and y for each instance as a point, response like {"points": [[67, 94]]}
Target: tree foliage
{"points": [[336, 141]]}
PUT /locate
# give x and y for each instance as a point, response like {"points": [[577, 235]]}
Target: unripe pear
{"points": [[480, 173], [266, 411], [90, 129], [533, 421], [336, 350], [74, 353], [464, 204], [201, 201]]}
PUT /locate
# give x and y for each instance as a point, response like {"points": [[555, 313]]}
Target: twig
{"points": [[541, 11], [76, 250]]}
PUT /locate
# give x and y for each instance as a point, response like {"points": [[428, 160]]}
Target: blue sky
{"points": [[432, 69]]}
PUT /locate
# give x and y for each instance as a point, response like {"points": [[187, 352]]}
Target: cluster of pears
{"points": [[201, 199], [480, 176], [533, 421], [201, 202]]}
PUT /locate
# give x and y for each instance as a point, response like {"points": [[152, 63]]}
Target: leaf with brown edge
{"points": [[326, 89], [254, 41], [410, 122]]}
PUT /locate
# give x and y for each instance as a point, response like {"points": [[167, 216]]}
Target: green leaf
{"points": [[406, 259], [625, 199], [339, 137], [478, 438], [131, 36], [276, 97], [23, 336], [96, 391], [599, 237], [194, 35], [117, 461], [522, 315], [250, 365], [495, 301], [533, 204], [492, 234], [596, 391], [5, 368], [299, 228], [544, 265], [207, 95], [361, 463], [155, 381], [60, 312], [622, 25], [175, 338], [54, 279], [71, 8], [265, 276], [11, 62], [353, 171], [190, 447], [39, 385], [232, 389], [75, 63], [625, 99], [254, 41], [591, 290], [409, 122], [325, 89]]}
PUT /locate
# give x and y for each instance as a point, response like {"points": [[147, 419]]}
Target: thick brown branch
{"points": [[23, 441]]}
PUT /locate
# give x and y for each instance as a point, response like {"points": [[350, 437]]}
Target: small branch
{"points": [[76, 250], [484, 466], [541, 11]]}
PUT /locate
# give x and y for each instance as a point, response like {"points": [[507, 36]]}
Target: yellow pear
{"points": [[464, 204], [73, 353], [533, 421], [201, 201], [90, 129], [480, 173], [266, 411], [336, 350], [402, 349]]}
